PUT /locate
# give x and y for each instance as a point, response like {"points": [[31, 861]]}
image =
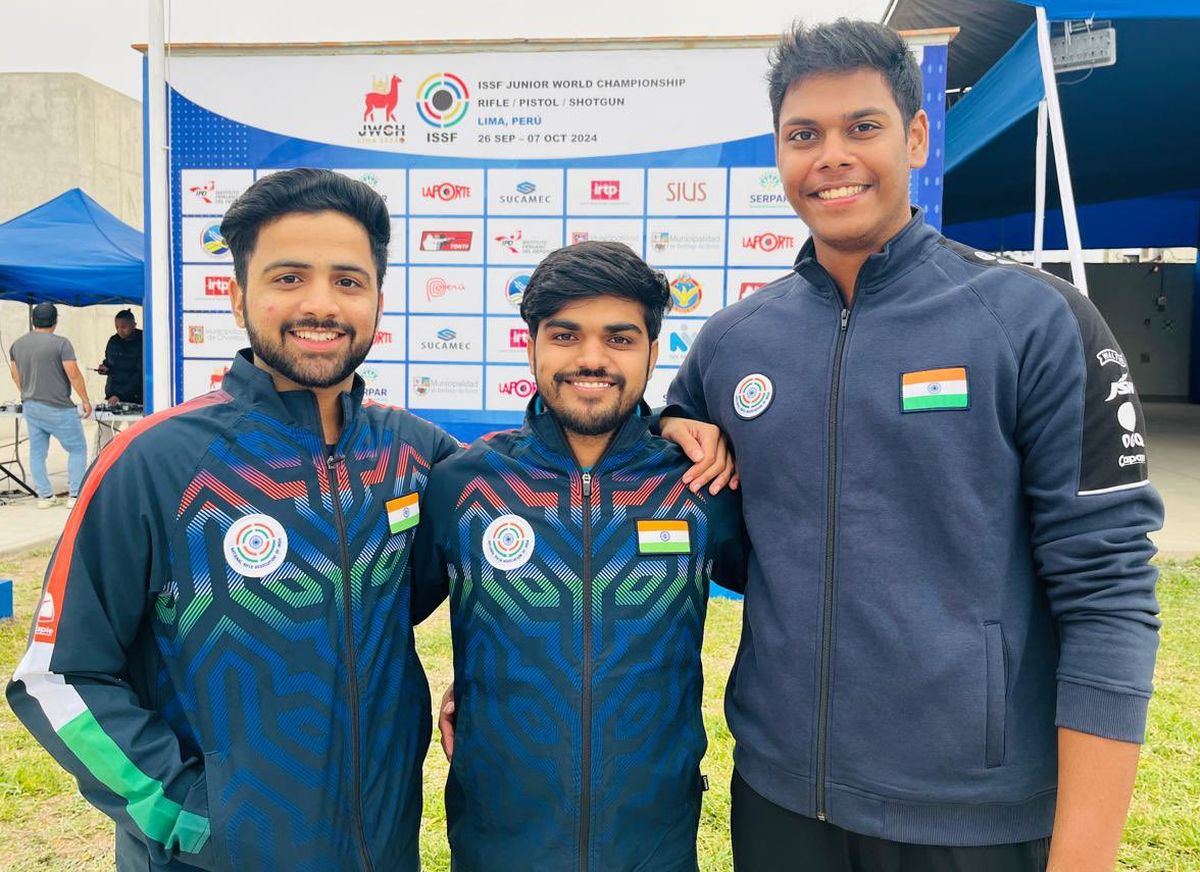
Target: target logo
{"points": [[508, 542], [443, 100], [255, 546]]}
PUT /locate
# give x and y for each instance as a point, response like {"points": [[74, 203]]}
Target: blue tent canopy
{"points": [[71, 250]]}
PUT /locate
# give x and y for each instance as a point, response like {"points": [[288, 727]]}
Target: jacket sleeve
{"points": [[71, 689], [1080, 431], [430, 583], [731, 551], [685, 396]]}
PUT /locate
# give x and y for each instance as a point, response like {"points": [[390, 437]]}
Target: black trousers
{"points": [[769, 838]]}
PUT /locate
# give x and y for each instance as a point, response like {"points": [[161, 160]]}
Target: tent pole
{"points": [[159, 289], [1062, 170], [1039, 189]]}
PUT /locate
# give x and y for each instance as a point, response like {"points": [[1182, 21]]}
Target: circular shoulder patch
{"points": [[753, 395], [508, 542], [255, 546]]}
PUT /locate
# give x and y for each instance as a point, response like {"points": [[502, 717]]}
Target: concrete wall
{"points": [[1149, 309], [61, 131]]}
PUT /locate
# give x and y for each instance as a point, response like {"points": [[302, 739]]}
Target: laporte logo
{"points": [[768, 242], [383, 97], [446, 240], [217, 286], [606, 190], [383, 337], [446, 192], [518, 387]]}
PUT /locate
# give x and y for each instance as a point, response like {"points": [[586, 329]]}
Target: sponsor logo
{"points": [[753, 395], [749, 288], [687, 192], [212, 240], [1130, 460], [1120, 388], [664, 239], [517, 243], [681, 340], [383, 97], [579, 236], [526, 187], [514, 289], [446, 192], [446, 334], [518, 337], [437, 287], [1133, 440], [1110, 355], [209, 194], [255, 546], [686, 293], [44, 626], [383, 337], [446, 340], [768, 242], [605, 190], [421, 385], [1127, 418], [196, 334], [511, 241], [519, 387], [526, 195], [771, 191], [446, 240], [508, 542], [443, 100], [424, 385], [217, 286], [217, 377]]}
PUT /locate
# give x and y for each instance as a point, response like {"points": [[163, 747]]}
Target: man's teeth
{"points": [[588, 384], [838, 193], [316, 335]]}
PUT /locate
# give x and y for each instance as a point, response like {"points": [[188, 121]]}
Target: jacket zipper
{"points": [[585, 792], [830, 529], [333, 462]]}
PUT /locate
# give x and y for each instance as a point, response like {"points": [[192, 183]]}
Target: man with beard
{"points": [[223, 656], [577, 565]]}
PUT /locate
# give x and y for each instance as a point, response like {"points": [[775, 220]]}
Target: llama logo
{"points": [[381, 100]]}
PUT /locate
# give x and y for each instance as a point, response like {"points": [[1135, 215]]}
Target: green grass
{"points": [[45, 825]]}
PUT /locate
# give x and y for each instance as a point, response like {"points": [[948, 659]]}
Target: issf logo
{"points": [[443, 100]]}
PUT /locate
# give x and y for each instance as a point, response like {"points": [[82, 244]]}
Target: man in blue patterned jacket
{"points": [[577, 564], [223, 655]]}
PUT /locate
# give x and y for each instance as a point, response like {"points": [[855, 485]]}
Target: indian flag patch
{"points": [[403, 513], [934, 389], [664, 537]]}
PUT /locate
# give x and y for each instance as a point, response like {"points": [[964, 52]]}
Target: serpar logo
{"points": [[442, 102], [749, 288], [255, 546], [514, 289], [770, 192], [1110, 355], [446, 240], [212, 240], [216, 286], [605, 190], [753, 395], [446, 192], [1120, 388], [437, 287], [383, 96], [508, 542], [519, 387], [686, 293], [768, 242]]}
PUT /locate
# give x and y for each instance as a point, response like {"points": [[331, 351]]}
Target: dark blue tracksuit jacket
{"points": [[577, 603], [223, 656], [946, 493]]}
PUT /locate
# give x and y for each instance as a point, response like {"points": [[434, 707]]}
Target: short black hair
{"points": [[44, 315], [594, 269], [304, 190], [843, 46], [124, 315]]}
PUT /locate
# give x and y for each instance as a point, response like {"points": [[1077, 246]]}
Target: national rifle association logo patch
{"points": [[255, 546], [508, 542], [753, 395]]}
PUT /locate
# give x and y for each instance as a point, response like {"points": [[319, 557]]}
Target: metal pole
{"points": [[159, 293], [1039, 189], [1062, 170]]}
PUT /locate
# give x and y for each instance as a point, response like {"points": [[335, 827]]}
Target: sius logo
{"points": [[446, 192], [687, 192], [768, 242], [606, 190]]}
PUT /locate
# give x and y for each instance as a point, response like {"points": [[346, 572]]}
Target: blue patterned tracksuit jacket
{"points": [[577, 602], [223, 656]]}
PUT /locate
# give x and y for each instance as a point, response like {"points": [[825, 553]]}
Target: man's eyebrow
{"points": [[563, 323], [350, 267], [290, 264], [849, 116], [622, 327]]}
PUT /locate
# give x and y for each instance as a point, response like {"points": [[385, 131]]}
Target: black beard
{"points": [[608, 421], [299, 369]]}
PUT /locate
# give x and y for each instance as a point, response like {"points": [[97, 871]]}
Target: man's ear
{"points": [[918, 140], [237, 302], [531, 353], [653, 357]]}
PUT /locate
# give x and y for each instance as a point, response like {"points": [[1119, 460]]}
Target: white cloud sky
{"points": [[92, 37]]}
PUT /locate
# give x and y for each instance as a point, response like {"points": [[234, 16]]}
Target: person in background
{"points": [[123, 362], [45, 370]]}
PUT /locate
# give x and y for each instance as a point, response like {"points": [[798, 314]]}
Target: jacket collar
{"points": [[899, 254], [254, 387], [544, 429]]}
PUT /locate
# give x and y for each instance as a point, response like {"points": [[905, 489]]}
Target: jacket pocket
{"points": [[215, 781], [997, 693]]}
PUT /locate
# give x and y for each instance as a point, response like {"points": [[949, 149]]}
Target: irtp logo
{"points": [[216, 286], [446, 192], [446, 240], [685, 293], [446, 334], [749, 288], [196, 334], [606, 190], [518, 337], [383, 95], [443, 100], [768, 241], [383, 337], [511, 241], [518, 387]]}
